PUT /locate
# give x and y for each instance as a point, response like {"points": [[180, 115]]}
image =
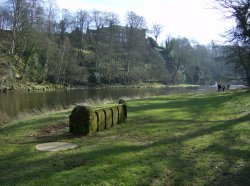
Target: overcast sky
{"points": [[194, 19]]}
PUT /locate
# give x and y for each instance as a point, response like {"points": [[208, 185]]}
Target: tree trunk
{"points": [[61, 63], [46, 66]]}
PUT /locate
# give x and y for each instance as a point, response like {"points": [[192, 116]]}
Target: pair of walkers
{"points": [[223, 87]]}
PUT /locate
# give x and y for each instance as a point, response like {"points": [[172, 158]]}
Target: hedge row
{"points": [[84, 120]]}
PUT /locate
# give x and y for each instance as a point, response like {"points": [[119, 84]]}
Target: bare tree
{"points": [[113, 21], [135, 21], [82, 20], [36, 14], [19, 20], [81, 23], [156, 30], [135, 34], [239, 35], [5, 18], [51, 11], [237, 10], [50, 16], [99, 20], [64, 24]]}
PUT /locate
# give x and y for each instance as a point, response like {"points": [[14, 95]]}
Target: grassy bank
{"points": [[168, 140], [20, 86]]}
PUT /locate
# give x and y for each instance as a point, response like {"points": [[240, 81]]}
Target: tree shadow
{"points": [[166, 159]]}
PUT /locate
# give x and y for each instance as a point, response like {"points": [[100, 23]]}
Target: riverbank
{"points": [[144, 85], [17, 87], [191, 139]]}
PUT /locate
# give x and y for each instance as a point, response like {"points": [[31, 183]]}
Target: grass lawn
{"points": [[168, 140]]}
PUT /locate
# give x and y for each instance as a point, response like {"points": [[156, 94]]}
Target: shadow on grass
{"points": [[193, 104], [34, 123], [230, 172], [183, 170], [209, 130], [161, 159]]}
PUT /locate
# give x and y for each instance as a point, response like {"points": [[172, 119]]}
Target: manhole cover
{"points": [[55, 146]]}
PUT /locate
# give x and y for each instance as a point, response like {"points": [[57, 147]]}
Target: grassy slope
{"points": [[168, 140]]}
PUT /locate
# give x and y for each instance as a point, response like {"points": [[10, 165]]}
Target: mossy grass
{"points": [[193, 139]]}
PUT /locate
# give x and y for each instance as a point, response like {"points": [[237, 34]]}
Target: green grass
{"points": [[168, 140]]}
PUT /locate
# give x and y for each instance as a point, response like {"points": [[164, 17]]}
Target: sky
{"points": [[194, 19]]}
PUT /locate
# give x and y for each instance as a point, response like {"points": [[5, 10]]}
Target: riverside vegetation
{"points": [[192, 139], [41, 45]]}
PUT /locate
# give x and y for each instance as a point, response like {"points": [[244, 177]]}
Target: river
{"points": [[17, 103]]}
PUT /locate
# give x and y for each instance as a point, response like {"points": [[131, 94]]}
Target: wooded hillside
{"points": [[39, 43]]}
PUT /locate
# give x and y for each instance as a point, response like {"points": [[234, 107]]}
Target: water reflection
{"points": [[13, 104]]}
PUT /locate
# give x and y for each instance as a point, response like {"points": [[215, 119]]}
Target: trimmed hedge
{"points": [[84, 120]]}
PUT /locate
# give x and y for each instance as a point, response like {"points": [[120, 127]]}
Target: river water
{"points": [[17, 103]]}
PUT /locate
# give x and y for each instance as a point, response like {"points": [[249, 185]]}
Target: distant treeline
{"points": [[39, 43]]}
